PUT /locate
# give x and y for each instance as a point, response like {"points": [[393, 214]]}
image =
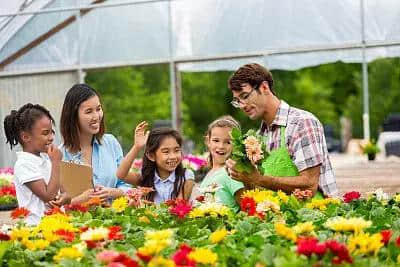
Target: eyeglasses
{"points": [[243, 98]]}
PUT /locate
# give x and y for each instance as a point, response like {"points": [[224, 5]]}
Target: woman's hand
{"points": [[106, 192], [82, 198], [141, 135]]}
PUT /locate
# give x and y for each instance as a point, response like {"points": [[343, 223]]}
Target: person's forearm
{"points": [[53, 186], [125, 166], [286, 184]]}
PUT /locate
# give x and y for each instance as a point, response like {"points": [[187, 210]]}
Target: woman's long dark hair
{"points": [[69, 122], [149, 167], [23, 120]]}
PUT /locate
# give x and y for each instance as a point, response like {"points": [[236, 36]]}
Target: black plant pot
{"points": [[371, 156]]}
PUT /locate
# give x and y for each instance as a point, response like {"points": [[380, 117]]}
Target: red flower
{"points": [[350, 196], [143, 257], [310, 245], [76, 207], [54, 210], [200, 198], [340, 251], [170, 202], [248, 205], [126, 260], [398, 241], [19, 213], [84, 229], [386, 235], [8, 190], [181, 258], [93, 244], [4, 236], [66, 235], [181, 209], [115, 233]]}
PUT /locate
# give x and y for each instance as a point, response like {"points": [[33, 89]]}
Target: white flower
{"points": [[380, 195], [267, 206]]}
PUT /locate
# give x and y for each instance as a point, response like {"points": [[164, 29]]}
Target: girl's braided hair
{"points": [[23, 120]]}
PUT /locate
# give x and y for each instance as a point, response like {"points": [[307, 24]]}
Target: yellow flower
{"points": [[156, 241], [261, 195], [95, 234], [161, 262], [159, 235], [203, 256], [210, 209], [50, 236], [365, 244], [282, 196], [120, 204], [20, 233], [286, 232], [301, 228], [144, 219], [397, 198], [55, 222], [218, 236], [340, 224], [68, 253], [35, 244], [322, 203]]}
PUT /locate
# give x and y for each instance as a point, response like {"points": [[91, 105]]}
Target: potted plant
{"points": [[370, 149]]}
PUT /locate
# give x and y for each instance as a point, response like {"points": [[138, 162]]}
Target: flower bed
{"points": [[8, 199], [273, 229]]}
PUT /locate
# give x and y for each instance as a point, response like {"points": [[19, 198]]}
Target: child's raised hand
{"points": [[54, 153], [141, 135]]}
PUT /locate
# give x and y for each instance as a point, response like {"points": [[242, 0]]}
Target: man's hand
{"points": [[248, 179]]}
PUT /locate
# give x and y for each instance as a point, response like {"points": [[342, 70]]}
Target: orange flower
{"points": [[19, 213], [95, 201]]}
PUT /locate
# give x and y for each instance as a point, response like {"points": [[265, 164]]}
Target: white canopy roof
{"points": [[286, 34]]}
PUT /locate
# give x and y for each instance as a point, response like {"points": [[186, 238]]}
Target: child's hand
{"points": [[60, 200], [54, 153], [141, 135]]}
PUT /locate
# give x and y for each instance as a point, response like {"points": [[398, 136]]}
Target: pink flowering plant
{"points": [[248, 150]]}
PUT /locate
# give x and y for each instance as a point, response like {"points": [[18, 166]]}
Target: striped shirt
{"points": [[305, 141]]}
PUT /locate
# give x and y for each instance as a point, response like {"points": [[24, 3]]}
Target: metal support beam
{"points": [[365, 116]]}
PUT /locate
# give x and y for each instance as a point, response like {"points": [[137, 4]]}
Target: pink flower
{"points": [[181, 257], [107, 256], [350, 196], [181, 208], [253, 149], [302, 194]]}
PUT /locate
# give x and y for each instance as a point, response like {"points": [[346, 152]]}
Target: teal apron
{"points": [[279, 164]]}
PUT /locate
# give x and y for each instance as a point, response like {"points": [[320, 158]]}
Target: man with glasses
{"points": [[282, 125]]}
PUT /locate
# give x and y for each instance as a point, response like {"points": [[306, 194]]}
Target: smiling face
{"points": [[251, 101], [167, 156], [219, 144], [90, 115], [40, 137]]}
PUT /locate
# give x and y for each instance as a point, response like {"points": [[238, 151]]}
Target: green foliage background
{"points": [[133, 94]]}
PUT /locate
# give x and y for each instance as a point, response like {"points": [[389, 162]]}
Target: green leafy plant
{"points": [[370, 148]]}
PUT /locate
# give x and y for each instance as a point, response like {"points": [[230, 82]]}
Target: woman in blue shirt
{"points": [[82, 129]]}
